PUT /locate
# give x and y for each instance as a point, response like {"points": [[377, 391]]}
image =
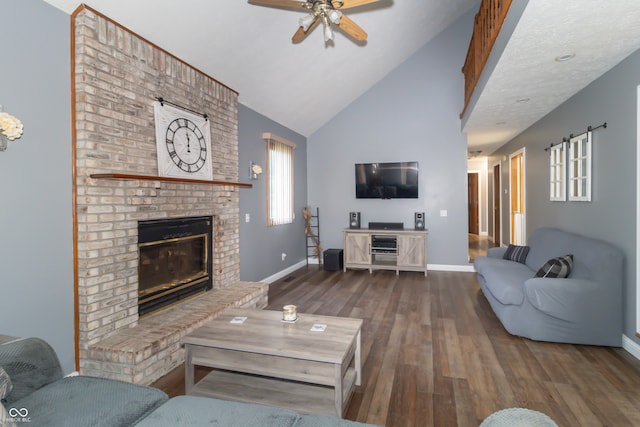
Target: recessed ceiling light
{"points": [[523, 100], [563, 58]]}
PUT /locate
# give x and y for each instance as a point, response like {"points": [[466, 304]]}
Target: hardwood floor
{"points": [[434, 354], [478, 245]]}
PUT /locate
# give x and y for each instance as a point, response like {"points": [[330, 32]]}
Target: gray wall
{"points": [[611, 215], [410, 115], [261, 246], [36, 260]]}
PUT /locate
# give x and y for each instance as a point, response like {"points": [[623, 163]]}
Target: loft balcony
{"points": [[527, 57]]}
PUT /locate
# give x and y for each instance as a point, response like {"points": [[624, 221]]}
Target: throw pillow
{"points": [[5, 388], [559, 267], [516, 253]]}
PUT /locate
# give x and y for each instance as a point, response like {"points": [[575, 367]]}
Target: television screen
{"points": [[387, 180]]}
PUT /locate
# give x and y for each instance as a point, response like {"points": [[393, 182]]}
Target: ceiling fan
{"points": [[326, 11]]}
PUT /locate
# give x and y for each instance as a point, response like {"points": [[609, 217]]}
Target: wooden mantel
{"points": [[486, 28], [125, 176]]}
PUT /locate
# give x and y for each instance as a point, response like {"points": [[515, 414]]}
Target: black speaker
{"points": [[354, 219], [333, 259], [418, 218]]}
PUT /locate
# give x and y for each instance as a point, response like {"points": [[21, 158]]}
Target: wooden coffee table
{"points": [[264, 360]]}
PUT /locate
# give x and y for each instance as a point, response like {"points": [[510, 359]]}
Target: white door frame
{"points": [[522, 151], [638, 213]]}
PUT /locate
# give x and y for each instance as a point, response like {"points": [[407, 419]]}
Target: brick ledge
{"points": [[145, 352]]}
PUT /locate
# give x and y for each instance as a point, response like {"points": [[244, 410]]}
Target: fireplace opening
{"points": [[174, 261]]}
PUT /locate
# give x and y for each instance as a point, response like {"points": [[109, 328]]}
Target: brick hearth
{"points": [[151, 349]]}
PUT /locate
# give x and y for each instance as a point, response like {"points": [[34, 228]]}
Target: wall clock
{"points": [[183, 143]]}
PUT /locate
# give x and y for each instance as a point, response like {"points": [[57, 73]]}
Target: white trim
{"points": [[638, 210], [631, 346], [283, 273], [523, 150], [445, 267]]}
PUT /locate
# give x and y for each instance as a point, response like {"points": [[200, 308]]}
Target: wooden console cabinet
{"points": [[399, 250]]}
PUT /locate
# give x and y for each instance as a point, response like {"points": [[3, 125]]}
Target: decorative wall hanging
{"points": [[10, 129], [579, 149], [183, 142], [570, 161], [558, 172]]}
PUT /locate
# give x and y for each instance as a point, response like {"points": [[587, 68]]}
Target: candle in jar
{"points": [[289, 313]]}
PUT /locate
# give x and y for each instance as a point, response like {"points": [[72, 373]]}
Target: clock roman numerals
{"points": [[184, 143]]}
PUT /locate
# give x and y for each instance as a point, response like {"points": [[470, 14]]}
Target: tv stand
{"points": [[373, 249]]}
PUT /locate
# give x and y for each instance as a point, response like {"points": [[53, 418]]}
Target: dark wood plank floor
{"points": [[478, 245], [434, 354]]}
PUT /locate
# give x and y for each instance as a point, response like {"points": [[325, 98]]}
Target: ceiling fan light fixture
{"points": [[334, 16], [328, 32], [306, 21]]}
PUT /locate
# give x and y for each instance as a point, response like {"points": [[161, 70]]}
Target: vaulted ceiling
{"points": [[249, 49], [303, 86]]}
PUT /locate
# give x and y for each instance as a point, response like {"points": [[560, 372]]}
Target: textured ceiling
{"points": [[599, 33], [249, 49]]}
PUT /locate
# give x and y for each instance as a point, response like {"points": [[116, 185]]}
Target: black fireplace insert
{"points": [[174, 261]]}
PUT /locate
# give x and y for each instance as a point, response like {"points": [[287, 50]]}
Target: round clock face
{"points": [[186, 145]]}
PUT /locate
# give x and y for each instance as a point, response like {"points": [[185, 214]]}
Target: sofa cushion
{"points": [[89, 401], [516, 253], [203, 411], [559, 267], [314, 420], [504, 279], [31, 363]]}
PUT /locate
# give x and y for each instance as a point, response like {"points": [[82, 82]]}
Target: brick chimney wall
{"points": [[117, 77]]}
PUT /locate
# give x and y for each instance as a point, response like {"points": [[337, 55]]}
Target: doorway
{"points": [[517, 198], [473, 198]]}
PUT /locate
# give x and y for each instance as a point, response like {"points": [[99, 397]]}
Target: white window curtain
{"points": [[280, 185]]}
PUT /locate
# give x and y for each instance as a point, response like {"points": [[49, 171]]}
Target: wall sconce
{"points": [[254, 170], [10, 129]]}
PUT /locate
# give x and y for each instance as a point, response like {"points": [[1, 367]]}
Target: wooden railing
{"points": [[486, 28]]}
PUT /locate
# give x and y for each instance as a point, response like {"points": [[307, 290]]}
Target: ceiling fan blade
{"points": [[351, 28], [346, 4], [301, 34], [287, 4]]}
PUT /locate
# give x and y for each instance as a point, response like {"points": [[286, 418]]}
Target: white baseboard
{"points": [[631, 346], [445, 267], [279, 275]]}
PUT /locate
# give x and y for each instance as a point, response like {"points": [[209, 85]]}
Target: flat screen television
{"points": [[387, 180]]}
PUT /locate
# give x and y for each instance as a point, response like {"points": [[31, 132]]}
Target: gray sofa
{"points": [[584, 308], [43, 397]]}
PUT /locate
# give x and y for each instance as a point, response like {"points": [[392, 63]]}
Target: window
{"points": [[580, 168], [557, 172], [279, 180]]}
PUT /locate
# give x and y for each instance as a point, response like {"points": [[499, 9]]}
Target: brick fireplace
{"points": [[117, 75]]}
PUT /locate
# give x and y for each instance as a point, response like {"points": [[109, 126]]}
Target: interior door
{"points": [[517, 198], [474, 224], [497, 192]]}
